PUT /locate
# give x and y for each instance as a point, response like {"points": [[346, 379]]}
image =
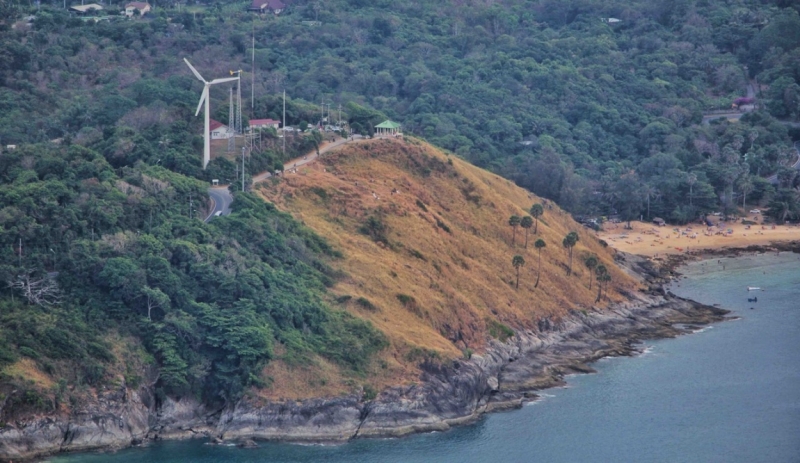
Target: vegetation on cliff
{"points": [[91, 253]]}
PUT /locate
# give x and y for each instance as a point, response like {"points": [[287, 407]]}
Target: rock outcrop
{"points": [[449, 393]]}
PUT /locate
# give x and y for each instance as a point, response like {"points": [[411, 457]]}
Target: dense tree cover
{"points": [[546, 92], [125, 249], [602, 117]]}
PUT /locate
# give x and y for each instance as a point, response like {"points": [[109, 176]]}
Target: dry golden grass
{"points": [[457, 280], [28, 370]]}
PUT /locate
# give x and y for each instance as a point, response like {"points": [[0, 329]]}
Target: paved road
{"points": [[222, 201], [301, 161], [223, 198], [731, 116]]}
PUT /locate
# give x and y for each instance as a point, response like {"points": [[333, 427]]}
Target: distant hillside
{"points": [[427, 251]]}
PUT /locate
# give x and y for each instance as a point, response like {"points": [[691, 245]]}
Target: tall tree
{"points": [[628, 197], [517, 261], [785, 205], [537, 210], [539, 245], [746, 186], [526, 223], [569, 242], [514, 221], [691, 179], [591, 262], [602, 277], [649, 192]]}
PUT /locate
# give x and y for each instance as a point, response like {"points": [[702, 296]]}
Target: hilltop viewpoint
{"points": [[427, 254]]}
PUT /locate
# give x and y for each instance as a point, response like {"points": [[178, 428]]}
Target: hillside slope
{"points": [[427, 249]]}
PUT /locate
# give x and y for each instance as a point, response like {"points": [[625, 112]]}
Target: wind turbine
{"points": [[204, 99]]}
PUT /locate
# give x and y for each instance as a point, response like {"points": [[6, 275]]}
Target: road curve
{"points": [[222, 201], [222, 196]]}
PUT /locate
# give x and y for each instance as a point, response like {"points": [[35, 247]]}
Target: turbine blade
{"points": [[202, 100], [226, 79], [196, 74]]}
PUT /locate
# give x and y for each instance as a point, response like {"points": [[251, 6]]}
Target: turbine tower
{"points": [[204, 99]]}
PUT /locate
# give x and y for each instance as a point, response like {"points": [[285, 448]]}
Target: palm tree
{"points": [[537, 210], [569, 242], [649, 191], [746, 185], [602, 277], [539, 244], [526, 223], [591, 262], [518, 261], [691, 179], [514, 221]]}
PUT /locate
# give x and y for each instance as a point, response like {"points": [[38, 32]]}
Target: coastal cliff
{"points": [[448, 393]]}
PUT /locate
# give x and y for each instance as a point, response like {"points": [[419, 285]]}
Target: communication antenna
{"points": [[231, 122], [284, 123], [253, 74]]}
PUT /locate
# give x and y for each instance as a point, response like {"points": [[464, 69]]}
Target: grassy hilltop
{"points": [[430, 265]]}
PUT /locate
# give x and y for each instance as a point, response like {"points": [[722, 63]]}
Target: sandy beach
{"points": [[650, 240]]}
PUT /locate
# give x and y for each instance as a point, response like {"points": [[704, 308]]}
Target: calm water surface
{"points": [[730, 393]]}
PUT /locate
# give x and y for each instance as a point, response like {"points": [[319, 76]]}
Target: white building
{"points": [[133, 7], [220, 131], [264, 124]]}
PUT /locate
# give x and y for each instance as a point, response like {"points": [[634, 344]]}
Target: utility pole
{"points": [[253, 74], [242, 168], [339, 122], [284, 123]]}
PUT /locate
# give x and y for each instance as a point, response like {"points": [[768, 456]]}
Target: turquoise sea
{"points": [[729, 393]]}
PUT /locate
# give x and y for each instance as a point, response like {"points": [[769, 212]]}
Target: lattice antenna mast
{"points": [[238, 114], [239, 128], [232, 124]]}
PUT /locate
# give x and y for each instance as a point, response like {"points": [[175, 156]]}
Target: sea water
{"points": [[729, 393]]}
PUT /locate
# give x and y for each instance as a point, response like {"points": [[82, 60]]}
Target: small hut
{"points": [[659, 221], [388, 128]]}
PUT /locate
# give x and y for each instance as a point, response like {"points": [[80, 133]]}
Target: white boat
{"points": [[753, 288]]}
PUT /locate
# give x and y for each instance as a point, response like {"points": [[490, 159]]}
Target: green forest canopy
{"points": [[601, 117]]}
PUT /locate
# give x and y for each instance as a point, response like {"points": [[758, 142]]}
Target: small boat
{"points": [[753, 288]]}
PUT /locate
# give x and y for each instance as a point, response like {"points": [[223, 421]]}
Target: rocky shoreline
{"points": [[448, 394]]}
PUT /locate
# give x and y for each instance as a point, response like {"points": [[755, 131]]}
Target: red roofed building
{"points": [[262, 6], [219, 131], [132, 7], [264, 124]]}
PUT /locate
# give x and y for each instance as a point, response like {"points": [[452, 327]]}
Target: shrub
{"points": [[369, 393], [443, 226], [375, 228], [28, 352], [498, 330], [365, 304], [405, 299]]}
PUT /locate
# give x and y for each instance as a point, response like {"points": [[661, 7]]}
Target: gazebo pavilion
{"points": [[388, 128]]}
